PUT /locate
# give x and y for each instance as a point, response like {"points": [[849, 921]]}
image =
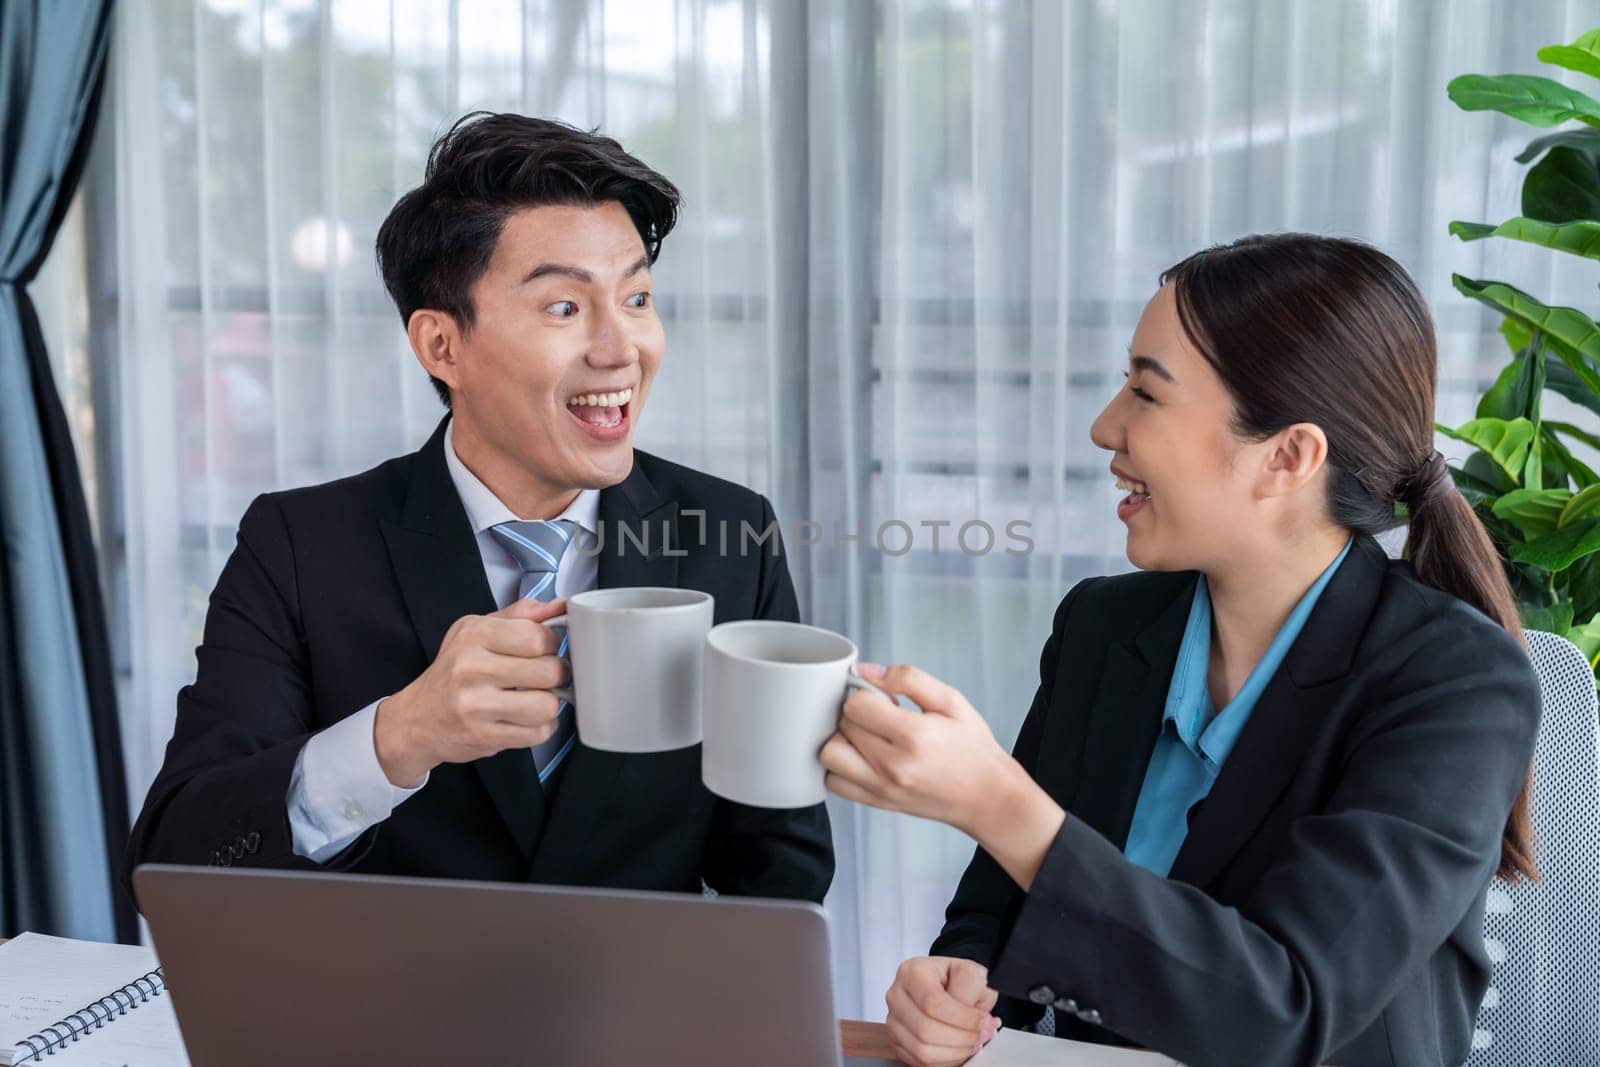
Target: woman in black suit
{"points": [[1298, 877]]}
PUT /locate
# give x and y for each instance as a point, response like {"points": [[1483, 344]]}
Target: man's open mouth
{"points": [[601, 411]]}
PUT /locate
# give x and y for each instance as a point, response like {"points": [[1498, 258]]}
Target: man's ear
{"points": [[436, 342], [1294, 457]]}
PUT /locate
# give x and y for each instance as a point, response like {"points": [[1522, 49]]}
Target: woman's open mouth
{"points": [[1136, 500], [604, 416]]}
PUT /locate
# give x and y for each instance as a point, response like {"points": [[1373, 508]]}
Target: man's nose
{"points": [[610, 342]]}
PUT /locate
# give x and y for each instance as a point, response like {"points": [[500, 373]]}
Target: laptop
{"points": [[291, 967]]}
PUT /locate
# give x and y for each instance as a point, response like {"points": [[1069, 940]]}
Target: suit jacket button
{"points": [[1091, 1017], [1068, 1005], [252, 842], [1041, 994]]}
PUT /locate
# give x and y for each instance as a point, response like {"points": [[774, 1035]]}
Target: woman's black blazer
{"points": [[1327, 904]]}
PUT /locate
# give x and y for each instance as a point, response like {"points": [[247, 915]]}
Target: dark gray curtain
{"points": [[63, 798]]}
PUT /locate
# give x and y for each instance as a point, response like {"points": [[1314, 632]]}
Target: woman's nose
{"points": [[1106, 431]]}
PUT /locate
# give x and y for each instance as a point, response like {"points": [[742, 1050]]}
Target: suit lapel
{"points": [[1125, 719], [1291, 709], [435, 556], [646, 555], [440, 572]]}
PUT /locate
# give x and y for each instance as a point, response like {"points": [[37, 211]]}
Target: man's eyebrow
{"points": [[544, 270], [1153, 365], [578, 273]]}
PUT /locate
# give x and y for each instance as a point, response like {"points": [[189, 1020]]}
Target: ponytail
{"points": [[1450, 550]]}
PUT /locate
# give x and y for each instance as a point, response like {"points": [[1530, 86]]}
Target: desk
{"points": [[855, 1038], [864, 1039]]}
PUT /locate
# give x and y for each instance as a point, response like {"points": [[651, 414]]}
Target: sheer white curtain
{"points": [[917, 235]]}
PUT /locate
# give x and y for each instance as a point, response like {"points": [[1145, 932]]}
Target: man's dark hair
{"points": [[439, 238]]}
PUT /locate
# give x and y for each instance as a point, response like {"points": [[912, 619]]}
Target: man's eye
{"points": [[639, 300], [563, 308]]}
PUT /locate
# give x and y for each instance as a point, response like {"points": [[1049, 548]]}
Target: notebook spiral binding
{"points": [[137, 992]]}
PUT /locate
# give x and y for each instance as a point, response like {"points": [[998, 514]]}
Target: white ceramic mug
{"points": [[773, 695], [636, 666]]}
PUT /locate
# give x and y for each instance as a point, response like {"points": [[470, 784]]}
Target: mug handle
{"points": [[563, 692], [854, 681]]}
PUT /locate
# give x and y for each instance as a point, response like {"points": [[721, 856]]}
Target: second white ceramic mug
{"points": [[636, 657], [773, 695]]}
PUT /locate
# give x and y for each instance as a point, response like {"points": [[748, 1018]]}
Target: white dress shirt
{"points": [[337, 789]]}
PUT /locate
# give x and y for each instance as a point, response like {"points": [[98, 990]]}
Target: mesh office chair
{"points": [[1543, 1005]]}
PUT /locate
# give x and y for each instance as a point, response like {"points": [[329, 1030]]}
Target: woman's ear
{"points": [[1295, 455]]}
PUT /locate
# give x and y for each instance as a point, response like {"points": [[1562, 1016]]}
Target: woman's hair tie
{"points": [[1431, 481]]}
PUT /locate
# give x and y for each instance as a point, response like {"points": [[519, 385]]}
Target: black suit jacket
{"points": [[340, 594], [1327, 904]]}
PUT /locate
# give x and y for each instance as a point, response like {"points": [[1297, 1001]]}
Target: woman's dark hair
{"points": [[1330, 331], [439, 238]]}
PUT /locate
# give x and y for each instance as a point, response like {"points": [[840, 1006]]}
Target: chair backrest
{"points": [[1543, 1004]]}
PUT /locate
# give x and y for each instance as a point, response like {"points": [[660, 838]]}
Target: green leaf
{"points": [[1579, 366], [1476, 490], [1587, 638], [1581, 238], [1565, 383], [1582, 55], [1481, 466], [1583, 586], [1570, 465], [1556, 474], [1564, 186], [1472, 231], [1533, 511], [1582, 505], [1518, 334], [1533, 470], [1582, 138], [1506, 441], [1508, 396], [1556, 619], [1529, 585], [1569, 326], [1533, 99], [1559, 550], [1536, 379], [1574, 432]]}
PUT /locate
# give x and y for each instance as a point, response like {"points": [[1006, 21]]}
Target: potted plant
{"points": [[1541, 503]]}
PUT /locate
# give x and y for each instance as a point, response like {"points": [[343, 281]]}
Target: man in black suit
{"points": [[374, 682]]}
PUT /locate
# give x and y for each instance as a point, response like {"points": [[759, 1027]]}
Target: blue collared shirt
{"points": [[1195, 740]]}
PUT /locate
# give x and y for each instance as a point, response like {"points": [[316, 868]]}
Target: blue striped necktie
{"points": [[537, 547]]}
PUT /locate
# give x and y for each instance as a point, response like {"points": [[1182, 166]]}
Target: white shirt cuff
{"points": [[338, 790]]}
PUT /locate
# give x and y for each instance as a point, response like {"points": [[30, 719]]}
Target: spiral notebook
{"points": [[83, 1004]]}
